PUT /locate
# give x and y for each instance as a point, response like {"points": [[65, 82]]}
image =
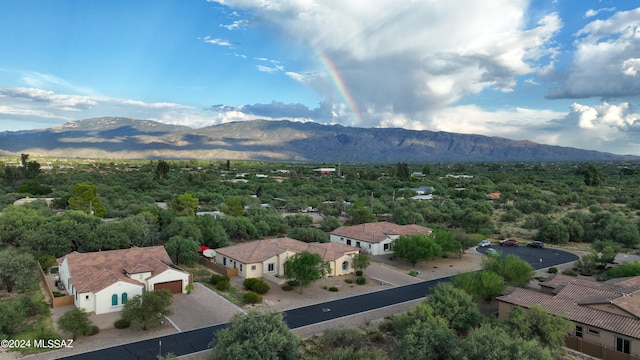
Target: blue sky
{"points": [[559, 72]]}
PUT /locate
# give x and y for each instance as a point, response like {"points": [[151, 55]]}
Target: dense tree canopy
{"points": [[255, 335], [416, 248]]}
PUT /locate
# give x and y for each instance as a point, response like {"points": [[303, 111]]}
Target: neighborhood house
{"points": [[266, 258], [375, 238], [102, 281], [605, 315]]}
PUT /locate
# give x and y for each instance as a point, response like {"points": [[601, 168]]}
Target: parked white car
{"points": [[484, 243]]}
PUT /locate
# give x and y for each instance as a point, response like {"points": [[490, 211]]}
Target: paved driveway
{"points": [[203, 307]]}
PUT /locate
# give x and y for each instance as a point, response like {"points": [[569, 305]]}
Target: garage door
{"points": [[175, 287]]}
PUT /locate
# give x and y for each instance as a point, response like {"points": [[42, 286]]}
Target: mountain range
{"points": [[126, 138]]}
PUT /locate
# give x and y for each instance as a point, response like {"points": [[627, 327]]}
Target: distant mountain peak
{"points": [[282, 140]]}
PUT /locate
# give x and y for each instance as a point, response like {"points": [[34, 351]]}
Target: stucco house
{"points": [[101, 282], [605, 315], [266, 258], [375, 238]]}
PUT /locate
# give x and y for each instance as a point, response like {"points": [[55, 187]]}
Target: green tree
{"points": [[233, 207], [430, 339], [239, 228], [455, 306], [184, 205], [537, 323], [416, 248], [491, 342], [361, 261], [12, 316], [75, 322], [481, 285], [162, 169], [17, 222], [255, 335], [329, 223], [183, 251], [149, 308], [402, 171], [17, 270], [554, 232], [593, 176], [308, 235], [447, 242], [305, 267], [511, 268], [359, 214], [84, 197], [299, 220]]}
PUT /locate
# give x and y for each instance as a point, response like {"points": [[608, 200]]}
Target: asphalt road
{"points": [[198, 340], [538, 258]]}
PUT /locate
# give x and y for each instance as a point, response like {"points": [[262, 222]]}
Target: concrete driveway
{"points": [[203, 307]]}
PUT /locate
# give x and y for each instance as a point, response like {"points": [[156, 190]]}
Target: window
{"points": [[240, 267], [578, 331], [86, 297], [224, 261], [623, 345], [114, 300], [124, 298], [270, 267], [357, 244], [345, 266], [253, 268], [594, 332], [349, 242], [386, 247]]}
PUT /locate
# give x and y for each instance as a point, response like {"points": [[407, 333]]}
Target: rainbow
{"points": [[340, 85]]}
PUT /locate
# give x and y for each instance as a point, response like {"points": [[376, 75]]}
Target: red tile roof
{"points": [[379, 231], [574, 295], [260, 250], [92, 272]]}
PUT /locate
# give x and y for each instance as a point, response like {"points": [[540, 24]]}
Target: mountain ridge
{"points": [[279, 140]]}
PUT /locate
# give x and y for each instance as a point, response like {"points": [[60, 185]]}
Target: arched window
{"points": [[114, 300], [124, 298], [345, 266]]}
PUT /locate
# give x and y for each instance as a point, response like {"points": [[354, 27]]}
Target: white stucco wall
{"points": [[86, 301], [63, 271], [103, 297], [169, 275]]}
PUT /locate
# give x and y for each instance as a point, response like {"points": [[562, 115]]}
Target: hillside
{"points": [[278, 141]]}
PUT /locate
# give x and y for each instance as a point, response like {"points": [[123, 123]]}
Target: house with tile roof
{"points": [[605, 315], [265, 258], [375, 238], [101, 282]]}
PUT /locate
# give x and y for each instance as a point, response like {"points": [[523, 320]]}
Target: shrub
{"points": [[249, 283], [361, 280], [92, 330], [348, 280], [215, 278], [287, 287], [570, 272], [333, 289], [552, 270], [359, 273], [251, 298], [223, 285], [58, 294], [261, 287], [293, 283], [122, 324], [256, 285]]}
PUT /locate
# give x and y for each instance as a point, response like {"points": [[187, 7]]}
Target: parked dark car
{"points": [[509, 242], [536, 244]]}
